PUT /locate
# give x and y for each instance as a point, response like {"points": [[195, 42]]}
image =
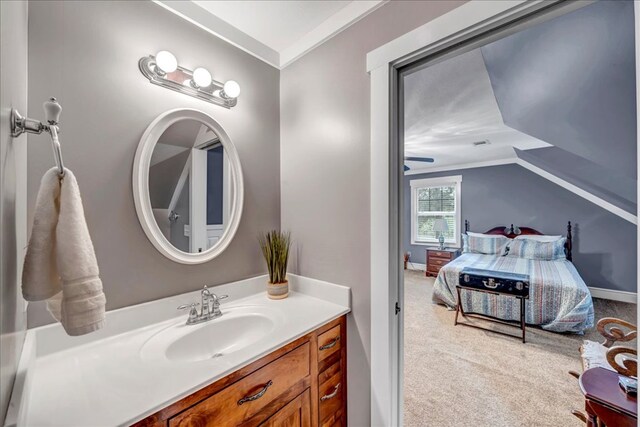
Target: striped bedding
{"points": [[559, 300]]}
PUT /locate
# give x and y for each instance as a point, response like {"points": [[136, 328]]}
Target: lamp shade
{"points": [[440, 225]]}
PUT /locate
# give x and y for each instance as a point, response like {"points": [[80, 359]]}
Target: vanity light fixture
{"points": [[230, 90], [165, 62], [163, 70], [201, 78]]}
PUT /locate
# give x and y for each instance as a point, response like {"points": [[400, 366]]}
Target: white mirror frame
{"points": [[141, 186]]}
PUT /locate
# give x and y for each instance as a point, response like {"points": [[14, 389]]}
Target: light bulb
{"points": [[166, 62], [231, 89], [201, 77]]}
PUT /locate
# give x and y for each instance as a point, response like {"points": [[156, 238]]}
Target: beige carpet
{"points": [[461, 376]]}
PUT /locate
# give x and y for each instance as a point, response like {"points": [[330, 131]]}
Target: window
{"points": [[431, 199]]}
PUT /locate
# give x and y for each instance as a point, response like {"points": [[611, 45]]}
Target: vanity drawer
{"points": [[232, 405], [330, 396], [329, 342]]}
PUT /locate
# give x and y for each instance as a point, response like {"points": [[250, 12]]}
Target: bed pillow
{"points": [[538, 237], [484, 244], [490, 236], [532, 249]]}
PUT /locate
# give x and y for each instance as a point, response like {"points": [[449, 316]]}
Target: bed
{"points": [[559, 300]]}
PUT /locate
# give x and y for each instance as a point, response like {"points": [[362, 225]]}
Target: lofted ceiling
{"points": [[276, 31], [557, 98], [450, 106]]}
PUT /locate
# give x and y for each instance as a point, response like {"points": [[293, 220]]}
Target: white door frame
{"points": [[461, 24]]}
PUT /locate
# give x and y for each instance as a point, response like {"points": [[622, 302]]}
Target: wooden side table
{"points": [[436, 258], [605, 402]]}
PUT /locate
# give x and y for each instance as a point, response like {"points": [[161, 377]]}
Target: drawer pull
{"points": [[330, 344], [256, 396], [332, 394]]}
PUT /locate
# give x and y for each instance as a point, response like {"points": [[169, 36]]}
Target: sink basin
{"points": [[237, 329]]}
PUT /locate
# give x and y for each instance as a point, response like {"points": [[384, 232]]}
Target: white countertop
{"points": [[105, 380]]}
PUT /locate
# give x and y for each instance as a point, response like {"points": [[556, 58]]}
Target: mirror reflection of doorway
{"points": [[189, 186]]}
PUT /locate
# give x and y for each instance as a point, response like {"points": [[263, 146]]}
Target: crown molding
{"points": [[335, 24], [201, 18], [458, 166]]}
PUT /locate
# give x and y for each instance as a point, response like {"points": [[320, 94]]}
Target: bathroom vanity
{"points": [[300, 384], [262, 362]]}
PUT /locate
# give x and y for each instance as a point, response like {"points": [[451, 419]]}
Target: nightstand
{"points": [[436, 258]]}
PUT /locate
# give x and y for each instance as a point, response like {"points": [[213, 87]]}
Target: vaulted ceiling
{"points": [[557, 98], [449, 107]]}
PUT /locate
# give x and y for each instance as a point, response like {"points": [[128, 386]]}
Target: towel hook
{"points": [[52, 110]]}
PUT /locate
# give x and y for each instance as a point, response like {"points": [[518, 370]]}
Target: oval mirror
{"points": [[187, 186]]}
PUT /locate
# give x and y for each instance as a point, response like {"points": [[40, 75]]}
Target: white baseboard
{"points": [[622, 296], [416, 266]]}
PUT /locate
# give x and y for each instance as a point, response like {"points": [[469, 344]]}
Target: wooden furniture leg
{"points": [[522, 318], [458, 307]]}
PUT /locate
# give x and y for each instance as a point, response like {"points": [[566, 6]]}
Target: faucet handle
{"points": [[185, 306], [216, 304], [193, 312], [216, 298]]}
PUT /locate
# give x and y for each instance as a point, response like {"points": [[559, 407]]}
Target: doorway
{"points": [[468, 28]]}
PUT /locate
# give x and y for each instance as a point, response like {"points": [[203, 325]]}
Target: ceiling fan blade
{"points": [[420, 159], [406, 168]]}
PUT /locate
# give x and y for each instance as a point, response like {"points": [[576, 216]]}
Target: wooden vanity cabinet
{"points": [[302, 384]]}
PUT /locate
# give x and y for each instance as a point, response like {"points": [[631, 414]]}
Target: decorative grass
{"points": [[275, 247]]}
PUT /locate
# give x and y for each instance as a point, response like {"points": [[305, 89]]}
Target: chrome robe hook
{"points": [[52, 110]]}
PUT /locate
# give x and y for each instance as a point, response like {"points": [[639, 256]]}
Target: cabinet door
{"points": [[296, 413]]}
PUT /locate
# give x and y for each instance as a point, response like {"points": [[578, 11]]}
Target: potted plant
{"points": [[275, 247]]}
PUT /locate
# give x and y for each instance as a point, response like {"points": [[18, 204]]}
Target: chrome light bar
{"points": [[180, 79]]}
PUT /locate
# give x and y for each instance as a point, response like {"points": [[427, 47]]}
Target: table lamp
{"points": [[440, 226]]}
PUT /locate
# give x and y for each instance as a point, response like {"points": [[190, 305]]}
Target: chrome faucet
{"points": [[210, 307]]}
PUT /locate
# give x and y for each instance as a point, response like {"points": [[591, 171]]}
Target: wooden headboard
{"points": [[512, 232]]}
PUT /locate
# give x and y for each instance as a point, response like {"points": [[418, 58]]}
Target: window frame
{"points": [[417, 184]]}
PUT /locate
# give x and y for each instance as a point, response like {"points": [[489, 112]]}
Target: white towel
{"points": [[60, 265]]}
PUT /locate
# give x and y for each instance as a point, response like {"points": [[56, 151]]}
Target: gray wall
{"points": [[86, 54], [604, 250], [325, 122], [581, 67], [615, 188], [13, 181]]}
